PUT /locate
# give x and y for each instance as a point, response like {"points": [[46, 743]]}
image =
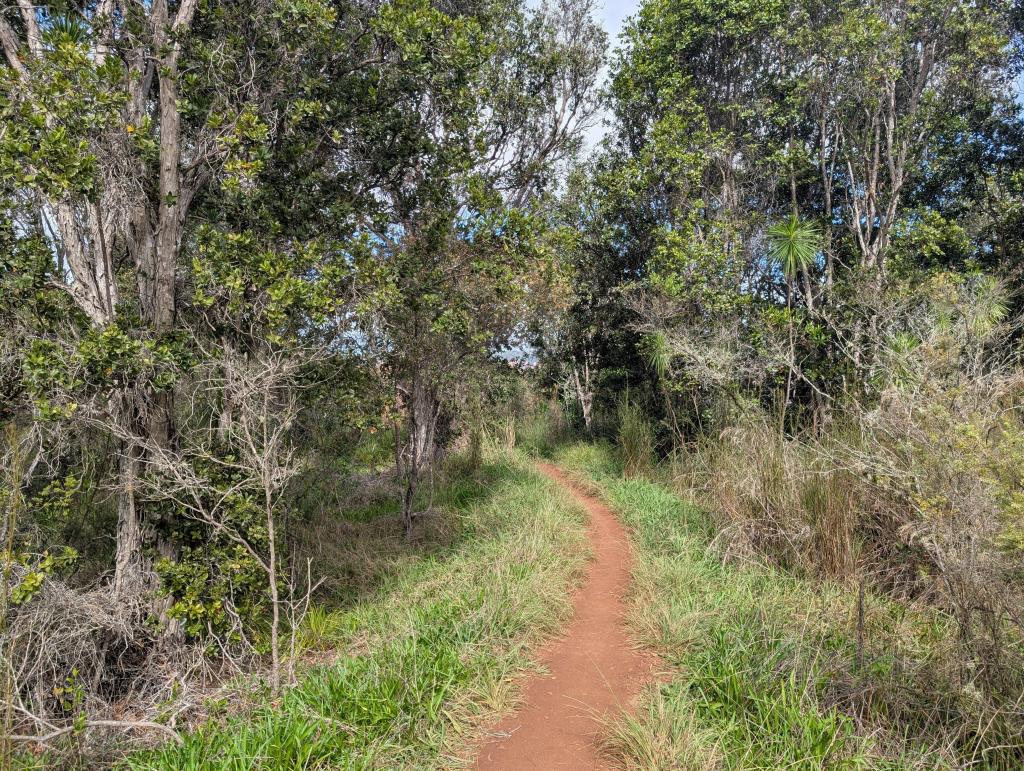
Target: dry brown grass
{"points": [[888, 679]]}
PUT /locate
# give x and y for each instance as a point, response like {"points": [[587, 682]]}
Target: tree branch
{"points": [[43, 738], [28, 15]]}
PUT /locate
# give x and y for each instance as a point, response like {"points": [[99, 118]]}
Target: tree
{"points": [[150, 149], [452, 266], [118, 118], [729, 116]]}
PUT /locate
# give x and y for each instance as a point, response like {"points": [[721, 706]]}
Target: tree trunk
{"points": [[155, 245], [808, 291], [275, 597], [584, 394], [146, 418], [423, 409], [130, 574], [423, 413]]}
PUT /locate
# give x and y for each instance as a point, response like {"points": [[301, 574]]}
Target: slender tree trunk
{"points": [[412, 474], [584, 394], [12, 510], [130, 574], [134, 574], [225, 418], [859, 655], [423, 412], [396, 429], [826, 187], [808, 291], [423, 415], [156, 243], [792, 356], [275, 599]]}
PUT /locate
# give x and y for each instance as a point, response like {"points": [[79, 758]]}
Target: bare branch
{"points": [[130, 724]]}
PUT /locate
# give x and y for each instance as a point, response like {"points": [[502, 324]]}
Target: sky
{"points": [[613, 15]]}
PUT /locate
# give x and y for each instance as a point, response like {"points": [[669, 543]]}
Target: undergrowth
{"points": [[412, 666], [769, 669]]}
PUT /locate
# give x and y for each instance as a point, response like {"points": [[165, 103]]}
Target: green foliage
{"points": [[51, 118], [218, 583], [238, 283], [764, 665], [794, 245], [542, 430], [209, 582], [52, 506], [371, 193], [659, 357], [59, 375], [730, 118], [37, 570]]}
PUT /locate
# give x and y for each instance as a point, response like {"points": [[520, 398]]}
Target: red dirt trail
{"points": [[594, 669]]}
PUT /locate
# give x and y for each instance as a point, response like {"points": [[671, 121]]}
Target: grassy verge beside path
{"points": [[418, 663], [767, 670]]}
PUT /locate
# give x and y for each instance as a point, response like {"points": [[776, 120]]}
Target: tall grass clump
{"points": [[543, 428], [742, 693], [635, 438], [776, 499], [912, 504]]}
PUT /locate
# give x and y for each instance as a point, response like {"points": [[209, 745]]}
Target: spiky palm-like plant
{"points": [[66, 30], [793, 244], [657, 353]]}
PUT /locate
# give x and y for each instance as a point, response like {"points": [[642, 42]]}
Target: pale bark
{"points": [[584, 392], [129, 576], [84, 233], [424, 409]]}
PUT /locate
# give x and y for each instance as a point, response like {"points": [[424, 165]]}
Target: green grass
{"points": [[763, 662], [420, 658]]}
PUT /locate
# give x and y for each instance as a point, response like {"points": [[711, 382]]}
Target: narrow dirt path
{"points": [[594, 669]]}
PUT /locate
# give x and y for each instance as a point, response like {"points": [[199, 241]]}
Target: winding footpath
{"points": [[595, 671]]}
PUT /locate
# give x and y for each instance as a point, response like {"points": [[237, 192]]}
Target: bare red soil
{"points": [[595, 670]]}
